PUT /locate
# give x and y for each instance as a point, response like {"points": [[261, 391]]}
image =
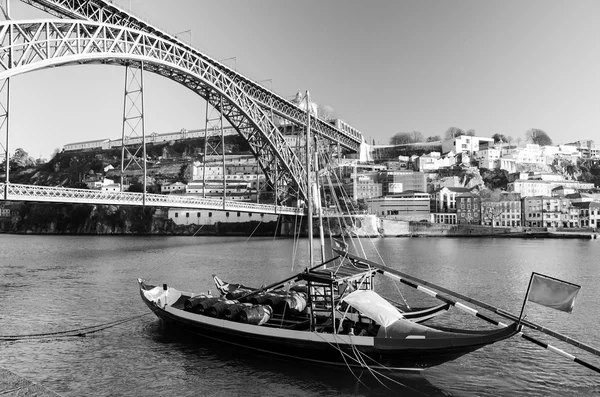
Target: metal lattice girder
{"points": [[133, 121], [107, 12], [52, 194], [40, 44]]}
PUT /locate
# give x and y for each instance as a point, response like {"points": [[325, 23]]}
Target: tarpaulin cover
{"points": [[373, 306]]}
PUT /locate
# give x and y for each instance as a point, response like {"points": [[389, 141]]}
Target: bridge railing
{"points": [[59, 194]]}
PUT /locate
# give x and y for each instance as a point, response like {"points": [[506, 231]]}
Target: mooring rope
{"points": [[77, 332]]}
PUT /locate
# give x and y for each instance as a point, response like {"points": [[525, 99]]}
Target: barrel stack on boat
{"points": [[329, 315]]}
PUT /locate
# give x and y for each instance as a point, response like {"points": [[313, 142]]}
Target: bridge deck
{"points": [[16, 192]]}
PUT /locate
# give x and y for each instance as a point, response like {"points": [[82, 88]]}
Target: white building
{"points": [[543, 188], [488, 157], [182, 216], [465, 143]]}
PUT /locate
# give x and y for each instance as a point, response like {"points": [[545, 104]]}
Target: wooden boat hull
{"points": [[327, 348]]}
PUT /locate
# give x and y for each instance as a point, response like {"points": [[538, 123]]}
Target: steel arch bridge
{"points": [[32, 45], [104, 11], [105, 34]]}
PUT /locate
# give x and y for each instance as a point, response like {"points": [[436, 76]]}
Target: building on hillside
{"points": [[587, 148], [468, 209], [408, 206], [113, 188], [488, 157], [502, 213], [589, 214], [562, 191], [170, 188], [393, 182], [434, 161], [465, 143], [240, 190], [363, 186], [543, 188], [577, 197], [88, 145]]}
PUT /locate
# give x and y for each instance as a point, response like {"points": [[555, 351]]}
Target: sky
{"points": [[383, 66]]}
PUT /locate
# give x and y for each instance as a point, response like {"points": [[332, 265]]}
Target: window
{"points": [[227, 214], [239, 214], [210, 214], [187, 214], [198, 215], [176, 214]]}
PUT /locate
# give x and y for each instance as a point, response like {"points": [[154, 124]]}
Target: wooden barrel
{"points": [[233, 312], [238, 293], [256, 314], [218, 309], [259, 299], [295, 302], [201, 307], [192, 302]]}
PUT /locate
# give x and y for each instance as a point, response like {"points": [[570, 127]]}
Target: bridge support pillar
{"points": [[133, 148], [214, 139], [5, 105]]}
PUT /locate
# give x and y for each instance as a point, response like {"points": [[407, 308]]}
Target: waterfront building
{"points": [[209, 217], [407, 206], [447, 218], [465, 143], [547, 211], [589, 214], [468, 209], [505, 212], [444, 199]]}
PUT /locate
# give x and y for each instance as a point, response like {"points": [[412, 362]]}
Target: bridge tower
{"points": [[5, 108], [133, 138]]}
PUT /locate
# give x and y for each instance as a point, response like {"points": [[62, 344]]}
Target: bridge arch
{"points": [[26, 46]]}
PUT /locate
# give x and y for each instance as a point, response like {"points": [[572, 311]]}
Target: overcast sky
{"points": [[385, 66]]}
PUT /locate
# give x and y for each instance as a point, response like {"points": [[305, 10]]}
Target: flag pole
{"points": [[525, 300]]}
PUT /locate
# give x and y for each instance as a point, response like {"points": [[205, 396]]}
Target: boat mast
{"points": [[319, 207], [308, 183]]}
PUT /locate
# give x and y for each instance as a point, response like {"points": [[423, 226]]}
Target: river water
{"points": [[56, 283]]}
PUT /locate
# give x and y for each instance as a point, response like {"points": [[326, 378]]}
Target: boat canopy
{"points": [[373, 306]]}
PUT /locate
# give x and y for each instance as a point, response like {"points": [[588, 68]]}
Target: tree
{"points": [[402, 138], [433, 138], [453, 132], [499, 138], [21, 159], [538, 137], [417, 137], [470, 132]]}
